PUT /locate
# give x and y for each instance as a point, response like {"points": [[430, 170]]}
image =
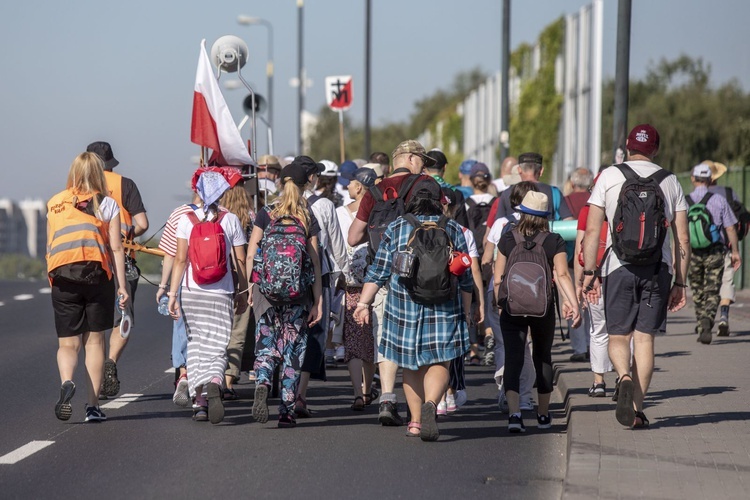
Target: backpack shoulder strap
{"points": [[705, 199], [312, 199], [628, 172], [541, 237], [660, 175], [377, 193], [406, 186], [193, 218], [471, 202], [412, 220], [443, 222], [689, 200], [520, 240], [728, 194]]}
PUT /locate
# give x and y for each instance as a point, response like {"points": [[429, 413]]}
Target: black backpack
{"points": [[743, 216], [640, 224], [388, 206], [478, 214], [431, 281]]}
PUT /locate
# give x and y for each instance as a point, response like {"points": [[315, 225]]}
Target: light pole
{"points": [[249, 21], [300, 75]]}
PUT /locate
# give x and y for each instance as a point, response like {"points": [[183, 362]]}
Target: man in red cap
{"points": [[639, 286]]}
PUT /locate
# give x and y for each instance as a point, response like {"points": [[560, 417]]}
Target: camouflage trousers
{"points": [[705, 274]]}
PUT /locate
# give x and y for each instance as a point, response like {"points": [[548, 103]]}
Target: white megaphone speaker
{"points": [[229, 53], [260, 104]]}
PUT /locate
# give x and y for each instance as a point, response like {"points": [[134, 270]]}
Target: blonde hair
{"points": [[291, 202], [86, 177], [237, 200]]}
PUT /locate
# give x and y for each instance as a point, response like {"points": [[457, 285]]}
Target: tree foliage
{"points": [[694, 120]]}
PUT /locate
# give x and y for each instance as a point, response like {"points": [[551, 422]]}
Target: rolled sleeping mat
{"points": [[565, 228]]}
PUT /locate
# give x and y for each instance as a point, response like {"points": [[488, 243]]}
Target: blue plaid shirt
{"points": [[413, 334]]}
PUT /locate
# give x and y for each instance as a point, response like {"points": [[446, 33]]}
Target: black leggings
{"points": [[515, 329]]}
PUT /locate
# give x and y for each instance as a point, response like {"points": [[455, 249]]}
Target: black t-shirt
{"points": [[504, 209], [131, 197], [553, 245], [263, 220]]}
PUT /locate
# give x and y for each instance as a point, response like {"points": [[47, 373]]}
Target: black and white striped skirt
{"points": [[208, 322]]}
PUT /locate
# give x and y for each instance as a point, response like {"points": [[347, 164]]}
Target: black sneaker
{"points": [[389, 414], [63, 408], [543, 421], [515, 424], [723, 328], [598, 390], [111, 384], [215, 404], [260, 405], [287, 421], [94, 414]]}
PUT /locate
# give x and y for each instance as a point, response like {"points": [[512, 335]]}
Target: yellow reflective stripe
{"points": [[84, 226]]}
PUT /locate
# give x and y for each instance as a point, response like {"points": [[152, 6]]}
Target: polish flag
{"points": [[213, 126]]}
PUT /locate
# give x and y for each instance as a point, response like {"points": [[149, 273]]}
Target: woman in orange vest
{"points": [[84, 249]]}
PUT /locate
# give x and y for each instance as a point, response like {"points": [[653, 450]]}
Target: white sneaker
{"points": [[450, 403], [442, 408], [181, 396], [461, 398], [527, 406], [340, 353]]}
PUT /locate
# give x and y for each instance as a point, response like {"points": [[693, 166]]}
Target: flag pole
{"points": [[341, 135]]}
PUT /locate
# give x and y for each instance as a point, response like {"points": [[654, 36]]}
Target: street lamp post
{"points": [[300, 75], [249, 21]]}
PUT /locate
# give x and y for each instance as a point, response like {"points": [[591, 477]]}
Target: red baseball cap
{"points": [[643, 139]]}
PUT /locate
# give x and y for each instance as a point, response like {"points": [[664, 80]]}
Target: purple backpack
{"points": [[286, 270]]}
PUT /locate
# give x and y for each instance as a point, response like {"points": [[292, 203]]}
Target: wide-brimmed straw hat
{"points": [[717, 169]]}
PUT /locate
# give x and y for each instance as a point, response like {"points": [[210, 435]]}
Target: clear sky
{"points": [[83, 70]]}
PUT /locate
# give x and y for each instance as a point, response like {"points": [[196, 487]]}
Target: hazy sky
{"points": [[84, 70]]}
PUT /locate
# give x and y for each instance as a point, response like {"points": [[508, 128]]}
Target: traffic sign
{"points": [[339, 92]]}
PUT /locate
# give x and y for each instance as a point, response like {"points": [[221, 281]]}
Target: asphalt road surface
{"points": [[150, 448]]}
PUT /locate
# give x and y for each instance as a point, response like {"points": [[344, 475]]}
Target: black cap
{"points": [[440, 160], [366, 176], [104, 151], [535, 158], [427, 188], [295, 172], [309, 165]]}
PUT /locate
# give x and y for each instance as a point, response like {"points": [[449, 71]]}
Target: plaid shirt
{"points": [[417, 335]]}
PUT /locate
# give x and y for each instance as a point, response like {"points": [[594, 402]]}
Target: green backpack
{"points": [[703, 232]]}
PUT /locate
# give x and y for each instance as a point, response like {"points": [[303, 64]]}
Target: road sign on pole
{"points": [[339, 92]]}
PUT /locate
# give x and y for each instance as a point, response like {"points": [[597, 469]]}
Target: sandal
{"points": [[625, 413], [369, 398], [230, 395], [643, 424], [359, 404], [475, 360], [413, 425]]}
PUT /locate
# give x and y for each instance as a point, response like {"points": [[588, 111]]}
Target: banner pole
{"points": [[341, 135]]}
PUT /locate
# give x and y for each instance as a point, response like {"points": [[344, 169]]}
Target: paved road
{"points": [[149, 448]]}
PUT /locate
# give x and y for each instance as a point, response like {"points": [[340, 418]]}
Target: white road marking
{"points": [[23, 452], [23, 296], [121, 401], [169, 370], [45, 290], [2, 304]]}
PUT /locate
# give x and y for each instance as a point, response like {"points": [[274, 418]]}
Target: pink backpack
{"points": [[207, 250]]}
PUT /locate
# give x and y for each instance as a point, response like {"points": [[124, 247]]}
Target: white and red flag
{"points": [[213, 126]]}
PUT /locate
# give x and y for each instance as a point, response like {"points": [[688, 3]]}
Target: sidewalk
{"points": [[698, 445]]}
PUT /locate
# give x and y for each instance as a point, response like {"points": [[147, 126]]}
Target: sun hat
{"points": [[717, 169], [534, 203]]}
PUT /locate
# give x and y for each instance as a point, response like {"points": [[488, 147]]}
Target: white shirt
{"points": [[344, 192], [499, 185], [234, 236], [108, 208], [496, 231], [480, 198], [471, 243], [330, 239], [356, 262], [606, 192]]}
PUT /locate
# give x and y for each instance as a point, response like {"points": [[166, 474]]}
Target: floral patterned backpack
{"points": [[286, 270]]}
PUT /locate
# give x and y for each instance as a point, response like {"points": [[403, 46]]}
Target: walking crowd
{"points": [[386, 266]]}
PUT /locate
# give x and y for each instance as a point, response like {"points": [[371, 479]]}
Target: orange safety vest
{"points": [[74, 236], [114, 183]]}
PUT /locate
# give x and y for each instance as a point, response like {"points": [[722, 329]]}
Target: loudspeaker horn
{"points": [[229, 53], [260, 104]]}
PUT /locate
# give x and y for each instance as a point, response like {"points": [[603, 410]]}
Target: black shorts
{"points": [[83, 308], [636, 299]]}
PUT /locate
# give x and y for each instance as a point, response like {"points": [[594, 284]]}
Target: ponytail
{"points": [[291, 202]]}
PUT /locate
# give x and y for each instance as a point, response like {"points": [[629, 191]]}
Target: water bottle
{"points": [[163, 305], [126, 321]]}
